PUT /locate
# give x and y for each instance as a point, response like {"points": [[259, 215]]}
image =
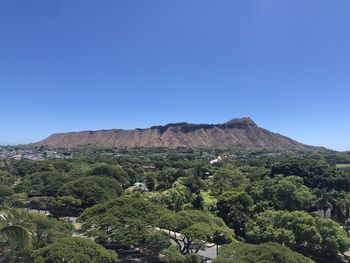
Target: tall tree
{"points": [[236, 209], [311, 236], [267, 252], [74, 249], [324, 201], [13, 227]]}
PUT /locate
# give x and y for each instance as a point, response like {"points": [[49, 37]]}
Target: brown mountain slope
{"points": [[237, 133]]}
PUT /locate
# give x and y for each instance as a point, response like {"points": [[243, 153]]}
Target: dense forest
{"points": [[97, 204]]}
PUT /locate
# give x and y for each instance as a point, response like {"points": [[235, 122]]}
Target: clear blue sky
{"points": [[85, 65]]}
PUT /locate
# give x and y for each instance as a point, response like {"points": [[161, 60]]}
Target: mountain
{"points": [[236, 133]]}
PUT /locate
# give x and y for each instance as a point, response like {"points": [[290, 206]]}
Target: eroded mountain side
{"points": [[236, 133]]}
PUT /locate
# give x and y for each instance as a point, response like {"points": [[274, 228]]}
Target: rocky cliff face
{"points": [[237, 133]]}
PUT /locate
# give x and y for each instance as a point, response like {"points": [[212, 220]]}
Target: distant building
{"points": [[149, 168], [139, 186], [216, 160]]}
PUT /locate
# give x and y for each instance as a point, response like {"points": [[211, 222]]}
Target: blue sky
{"points": [[86, 65]]}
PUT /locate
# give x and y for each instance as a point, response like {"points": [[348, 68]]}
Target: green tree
{"points": [[175, 198], [124, 221], [311, 236], [191, 229], [130, 221], [324, 201], [193, 183], [315, 173], [228, 178], [14, 226], [15, 235], [282, 193], [40, 203], [92, 189], [155, 242], [344, 210], [151, 181], [42, 183], [7, 178], [48, 230], [5, 193], [235, 208], [65, 206], [263, 253], [175, 256], [25, 167], [198, 202], [166, 178], [115, 171], [74, 249]]}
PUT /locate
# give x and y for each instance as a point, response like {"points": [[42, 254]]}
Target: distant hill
{"points": [[236, 133]]}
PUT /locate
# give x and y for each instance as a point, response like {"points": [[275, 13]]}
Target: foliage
{"points": [[130, 221], [7, 178], [236, 209], [15, 226], [125, 221], [92, 189], [239, 191], [175, 198], [263, 253], [195, 228], [74, 249], [193, 183], [25, 167], [229, 178], [316, 173], [155, 242], [40, 202], [5, 193], [48, 230], [174, 256], [115, 171], [312, 236], [65, 206], [209, 200], [282, 193], [15, 234], [42, 183], [167, 177]]}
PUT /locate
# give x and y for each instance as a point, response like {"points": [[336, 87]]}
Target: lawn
{"points": [[208, 198], [343, 165]]}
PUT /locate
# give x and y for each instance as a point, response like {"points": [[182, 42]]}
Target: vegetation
{"points": [[74, 249], [343, 165], [130, 221], [265, 253], [312, 236], [169, 204]]}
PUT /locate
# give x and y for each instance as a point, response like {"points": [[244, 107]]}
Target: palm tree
{"points": [[14, 228], [344, 210], [324, 201]]}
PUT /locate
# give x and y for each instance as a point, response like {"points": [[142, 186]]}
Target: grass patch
{"points": [[208, 198], [343, 165]]}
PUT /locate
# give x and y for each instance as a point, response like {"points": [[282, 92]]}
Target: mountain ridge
{"points": [[236, 133]]}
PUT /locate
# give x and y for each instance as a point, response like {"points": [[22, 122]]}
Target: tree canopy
{"points": [[263, 253], [74, 249], [236, 209], [312, 236], [129, 221], [92, 189]]}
